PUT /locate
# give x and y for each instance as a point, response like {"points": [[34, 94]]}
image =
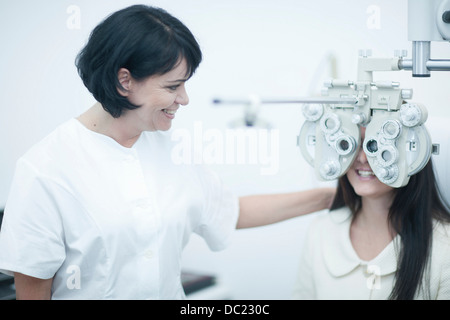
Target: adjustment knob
{"points": [[406, 93], [387, 174], [358, 118], [312, 112], [412, 114], [330, 170]]}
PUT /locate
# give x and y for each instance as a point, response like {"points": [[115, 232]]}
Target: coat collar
{"points": [[339, 255]]}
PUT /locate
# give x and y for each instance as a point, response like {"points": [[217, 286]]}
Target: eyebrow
{"points": [[179, 80]]}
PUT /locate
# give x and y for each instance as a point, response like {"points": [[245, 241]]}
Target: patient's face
{"points": [[362, 178]]}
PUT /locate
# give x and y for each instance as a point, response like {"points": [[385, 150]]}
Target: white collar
{"points": [[340, 256]]}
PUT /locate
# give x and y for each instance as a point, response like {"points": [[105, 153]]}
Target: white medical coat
{"points": [[109, 222]]}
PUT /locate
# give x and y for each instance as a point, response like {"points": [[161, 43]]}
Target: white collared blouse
{"points": [[109, 222], [330, 269]]}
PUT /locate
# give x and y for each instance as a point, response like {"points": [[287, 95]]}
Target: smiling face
{"points": [[362, 178], [158, 96]]}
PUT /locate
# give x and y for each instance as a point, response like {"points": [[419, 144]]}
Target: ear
{"points": [[124, 77]]}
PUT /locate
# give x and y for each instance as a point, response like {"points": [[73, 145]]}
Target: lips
{"points": [[170, 113], [365, 173]]}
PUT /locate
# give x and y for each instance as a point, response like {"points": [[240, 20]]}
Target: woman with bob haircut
{"points": [[98, 209], [379, 242]]}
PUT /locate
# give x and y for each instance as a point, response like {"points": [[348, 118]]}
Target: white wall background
{"points": [[273, 48]]}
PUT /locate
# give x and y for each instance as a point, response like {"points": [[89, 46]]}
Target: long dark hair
{"points": [[411, 216]]}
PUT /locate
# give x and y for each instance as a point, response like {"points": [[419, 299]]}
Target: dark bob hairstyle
{"points": [[145, 40]]}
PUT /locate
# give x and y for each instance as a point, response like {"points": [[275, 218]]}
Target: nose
{"points": [[182, 96], [361, 157]]}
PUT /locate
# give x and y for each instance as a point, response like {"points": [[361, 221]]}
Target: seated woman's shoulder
{"points": [[441, 233]]}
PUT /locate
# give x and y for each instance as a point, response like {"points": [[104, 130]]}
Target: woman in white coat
{"points": [[98, 209]]}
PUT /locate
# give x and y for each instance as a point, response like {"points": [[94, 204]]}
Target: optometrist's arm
{"points": [[260, 210], [29, 288]]}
